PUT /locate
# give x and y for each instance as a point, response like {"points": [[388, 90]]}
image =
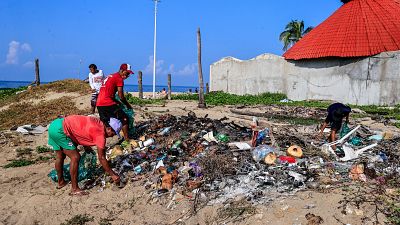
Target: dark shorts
{"points": [[336, 125], [93, 99], [106, 112]]}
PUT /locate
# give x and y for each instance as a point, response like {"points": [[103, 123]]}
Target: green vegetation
{"points": [[221, 98], [105, 221], [19, 163], [79, 220], [6, 93], [137, 101], [23, 151], [43, 149]]}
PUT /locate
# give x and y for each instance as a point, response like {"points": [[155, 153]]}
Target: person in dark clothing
{"points": [[336, 113]]}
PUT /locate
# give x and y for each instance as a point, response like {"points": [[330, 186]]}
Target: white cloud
{"points": [[12, 55], [26, 47], [28, 64], [189, 69], [159, 66], [14, 49]]}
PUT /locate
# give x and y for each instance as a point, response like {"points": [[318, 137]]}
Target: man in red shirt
{"points": [[66, 133], [107, 105]]}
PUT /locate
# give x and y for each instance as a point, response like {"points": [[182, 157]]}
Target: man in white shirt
{"points": [[95, 80]]}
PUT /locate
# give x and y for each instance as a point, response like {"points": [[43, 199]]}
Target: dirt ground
{"points": [[28, 196]]}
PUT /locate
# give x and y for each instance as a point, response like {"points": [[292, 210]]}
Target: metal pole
{"points": [[155, 45]]}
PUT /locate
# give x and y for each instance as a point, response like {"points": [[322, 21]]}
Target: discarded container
{"points": [[165, 131], [295, 151], [287, 159], [134, 144], [177, 144], [167, 181], [270, 159], [146, 143], [116, 151], [260, 152], [262, 135]]}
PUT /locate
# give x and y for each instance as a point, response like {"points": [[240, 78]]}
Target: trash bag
{"points": [[87, 168], [356, 141], [131, 115]]}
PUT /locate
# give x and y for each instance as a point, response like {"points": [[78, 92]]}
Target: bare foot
{"points": [[62, 184], [78, 193]]}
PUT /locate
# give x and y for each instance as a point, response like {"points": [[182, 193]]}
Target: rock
{"points": [[358, 111], [313, 219]]}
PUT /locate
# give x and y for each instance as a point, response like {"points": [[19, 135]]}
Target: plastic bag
{"points": [[131, 115], [356, 141], [260, 152], [87, 168]]}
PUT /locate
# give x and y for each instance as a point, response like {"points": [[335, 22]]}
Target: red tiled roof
{"points": [[358, 28]]}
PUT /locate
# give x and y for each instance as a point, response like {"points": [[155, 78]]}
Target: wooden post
{"points": [[207, 88], [140, 86], [169, 87], [202, 104], [37, 81]]}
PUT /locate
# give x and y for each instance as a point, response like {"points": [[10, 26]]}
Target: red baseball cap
{"points": [[126, 67]]}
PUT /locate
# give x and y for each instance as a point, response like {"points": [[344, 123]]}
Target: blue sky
{"points": [[108, 33]]}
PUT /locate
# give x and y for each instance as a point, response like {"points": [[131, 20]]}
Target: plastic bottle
{"points": [[262, 135], [260, 152], [165, 131], [222, 138], [177, 144]]}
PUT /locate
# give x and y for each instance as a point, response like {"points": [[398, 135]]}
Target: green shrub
{"points": [[19, 163]]}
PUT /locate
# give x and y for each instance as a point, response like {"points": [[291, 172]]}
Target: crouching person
{"points": [[336, 113], [66, 133]]}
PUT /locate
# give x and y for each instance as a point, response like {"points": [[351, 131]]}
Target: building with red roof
{"points": [[352, 57], [357, 29]]}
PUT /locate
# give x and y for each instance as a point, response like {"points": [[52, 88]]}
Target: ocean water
{"points": [[128, 87]]}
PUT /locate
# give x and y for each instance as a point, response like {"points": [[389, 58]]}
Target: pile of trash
{"points": [[218, 160]]}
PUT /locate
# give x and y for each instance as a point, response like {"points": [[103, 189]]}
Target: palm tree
{"points": [[294, 31]]}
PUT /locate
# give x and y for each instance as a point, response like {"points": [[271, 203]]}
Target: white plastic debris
{"points": [[31, 129]]}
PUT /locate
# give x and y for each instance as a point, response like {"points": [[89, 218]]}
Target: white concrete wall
{"points": [[363, 81]]}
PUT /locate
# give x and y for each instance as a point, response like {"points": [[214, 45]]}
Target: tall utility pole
{"points": [[155, 45], [202, 103]]}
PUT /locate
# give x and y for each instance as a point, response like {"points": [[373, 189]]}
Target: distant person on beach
{"points": [[336, 113], [107, 105], [190, 91], [196, 91], [64, 134], [95, 80], [163, 91]]}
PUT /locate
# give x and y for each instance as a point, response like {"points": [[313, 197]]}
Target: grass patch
{"points": [[43, 149], [221, 98], [44, 158], [23, 151], [105, 221], [42, 113], [137, 101], [236, 211], [80, 219], [19, 163], [6, 93]]}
